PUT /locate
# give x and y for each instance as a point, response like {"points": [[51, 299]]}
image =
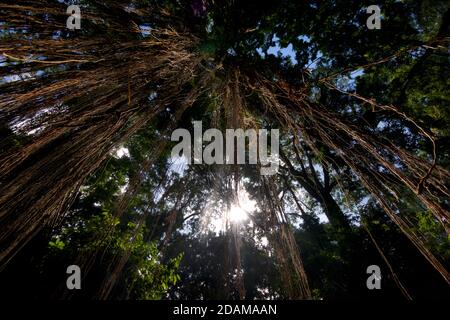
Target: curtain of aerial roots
{"points": [[277, 227], [231, 102], [280, 235], [95, 95], [231, 105], [382, 167]]}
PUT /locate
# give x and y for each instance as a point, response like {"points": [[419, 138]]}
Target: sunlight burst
{"points": [[237, 214]]}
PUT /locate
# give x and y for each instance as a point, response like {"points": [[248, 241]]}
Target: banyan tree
{"points": [[69, 99]]}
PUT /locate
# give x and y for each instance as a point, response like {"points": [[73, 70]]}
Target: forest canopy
{"points": [[356, 118]]}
